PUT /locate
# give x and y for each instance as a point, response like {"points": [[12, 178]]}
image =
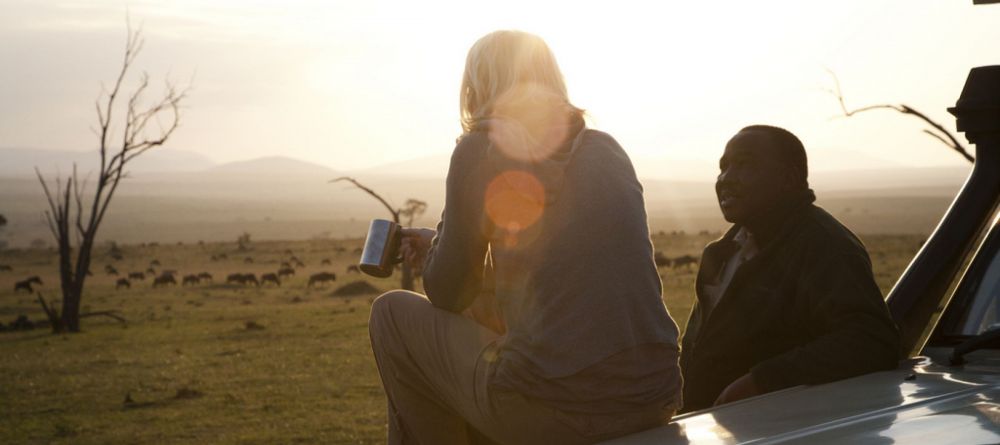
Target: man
{"points": [[787, 296]]}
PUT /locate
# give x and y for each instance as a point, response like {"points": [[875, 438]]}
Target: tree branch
{"points": [[394, 212], [944, 135]]}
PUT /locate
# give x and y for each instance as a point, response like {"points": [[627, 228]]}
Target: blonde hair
{"points": [[502, 61]]}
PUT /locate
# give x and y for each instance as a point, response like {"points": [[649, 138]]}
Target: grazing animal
{"points": [[117, 256], [110, 270], [151, 271], [24, 285], [190, 279], [234, 278], [248, 260], [358, 250], [285, 264], [242, 278], [270, 277], [299, 264], [168, 272], [123, 282], [5, 268], [353, 268], [205, 276], [661, 260], [325, 262], [136, 276], [249, 278], [321, 277], [286, 272], [164, 280], [685, 261], [154, 263], [288, 252]]}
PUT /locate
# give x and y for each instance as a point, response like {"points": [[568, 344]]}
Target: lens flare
{"points": [[529, 122], [515, 200]]}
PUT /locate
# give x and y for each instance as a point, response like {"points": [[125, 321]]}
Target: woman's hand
{"points": [[414, 246]]}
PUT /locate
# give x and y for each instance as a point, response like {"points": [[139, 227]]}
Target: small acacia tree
{"points": [[75, 212], [411, 210]]}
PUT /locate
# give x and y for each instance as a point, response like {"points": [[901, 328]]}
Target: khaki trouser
{"points": [[435, 365]]}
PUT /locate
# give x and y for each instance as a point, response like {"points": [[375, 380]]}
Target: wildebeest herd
{"points": [[286, 270], [170, 277]]}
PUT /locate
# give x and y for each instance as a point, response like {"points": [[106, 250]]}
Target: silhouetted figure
{"points": [[543, 321], [787, 296]]}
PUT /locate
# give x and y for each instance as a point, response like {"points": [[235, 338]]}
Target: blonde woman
{"points": [[543, 320]]}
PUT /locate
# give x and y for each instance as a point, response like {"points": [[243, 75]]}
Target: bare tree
{"points": [[3, 223], [243, 242], [71, 214], [411, 210], [939, 132]]}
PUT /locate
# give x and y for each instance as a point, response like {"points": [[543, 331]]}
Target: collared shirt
{"points": [[748, 248]]}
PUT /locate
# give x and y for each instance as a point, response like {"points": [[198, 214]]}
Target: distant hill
{"points": [[19, 162], [274, 165], [285, 198]]}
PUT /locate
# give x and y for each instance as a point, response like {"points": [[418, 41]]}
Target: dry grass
{"points": [[227, 364]]}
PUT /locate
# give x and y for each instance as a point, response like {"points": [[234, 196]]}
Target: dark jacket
{"points": [[804, 310]]}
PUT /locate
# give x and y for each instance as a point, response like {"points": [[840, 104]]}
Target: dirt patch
{"points": [[354, 288]]}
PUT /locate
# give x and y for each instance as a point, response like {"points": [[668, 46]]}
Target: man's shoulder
{"points": [[823, 232]]}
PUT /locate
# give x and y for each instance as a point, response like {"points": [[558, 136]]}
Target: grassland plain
{"points": [[219, 363]]}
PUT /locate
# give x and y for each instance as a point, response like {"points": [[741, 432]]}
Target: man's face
{"points": [[752, 179]]}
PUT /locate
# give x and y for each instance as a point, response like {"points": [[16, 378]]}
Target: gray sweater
{"points": [[574, 271]]}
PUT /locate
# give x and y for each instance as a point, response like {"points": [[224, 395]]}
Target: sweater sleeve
{"points": [[851, 328], [453, 271]]}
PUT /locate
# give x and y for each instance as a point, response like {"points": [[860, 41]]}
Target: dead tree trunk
{"points": [[69, 215]]}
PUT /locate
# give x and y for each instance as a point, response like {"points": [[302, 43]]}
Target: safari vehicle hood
{"points": [[920, 402]]}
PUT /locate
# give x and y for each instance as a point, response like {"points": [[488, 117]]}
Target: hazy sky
{"points": [[355, 84]]}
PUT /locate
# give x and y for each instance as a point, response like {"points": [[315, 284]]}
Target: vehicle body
{"points": [[947, 389]]}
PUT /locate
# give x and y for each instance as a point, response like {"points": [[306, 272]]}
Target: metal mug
{"points": [[381, 252]]}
